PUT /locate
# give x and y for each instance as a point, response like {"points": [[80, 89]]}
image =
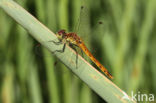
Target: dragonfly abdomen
{"points": [[88, 53]]}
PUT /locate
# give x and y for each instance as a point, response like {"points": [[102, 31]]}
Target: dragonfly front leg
{"points": [[56, 43], [59, 43], [62, 50]]}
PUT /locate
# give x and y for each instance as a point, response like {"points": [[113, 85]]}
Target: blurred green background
{"points": [[124, 43]]}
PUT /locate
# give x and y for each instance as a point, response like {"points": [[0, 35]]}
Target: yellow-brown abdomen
{"points": [[88, 53]]}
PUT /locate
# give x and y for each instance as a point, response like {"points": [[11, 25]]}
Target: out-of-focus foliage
{"points": [[124, 43]]}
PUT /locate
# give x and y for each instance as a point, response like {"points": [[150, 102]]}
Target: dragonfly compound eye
{"points": [[61, 32]]}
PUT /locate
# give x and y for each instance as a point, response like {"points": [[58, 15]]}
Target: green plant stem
{"points": [[87, 73]]}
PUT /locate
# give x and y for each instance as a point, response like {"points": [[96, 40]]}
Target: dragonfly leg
{"points": [[82, 53], [61, 51], [76, 55], [57, 43], [80, 49]]}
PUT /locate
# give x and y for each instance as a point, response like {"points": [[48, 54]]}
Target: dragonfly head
{"points": [[61, 34]]}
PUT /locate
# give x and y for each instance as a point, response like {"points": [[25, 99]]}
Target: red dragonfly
{"points": [[74, 39]]}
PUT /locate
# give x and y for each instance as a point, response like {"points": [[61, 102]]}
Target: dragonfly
{"points": [[73, 39]]}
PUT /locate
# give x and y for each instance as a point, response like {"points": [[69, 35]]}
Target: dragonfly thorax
{"points": [[68, 37], [73, 38]]}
